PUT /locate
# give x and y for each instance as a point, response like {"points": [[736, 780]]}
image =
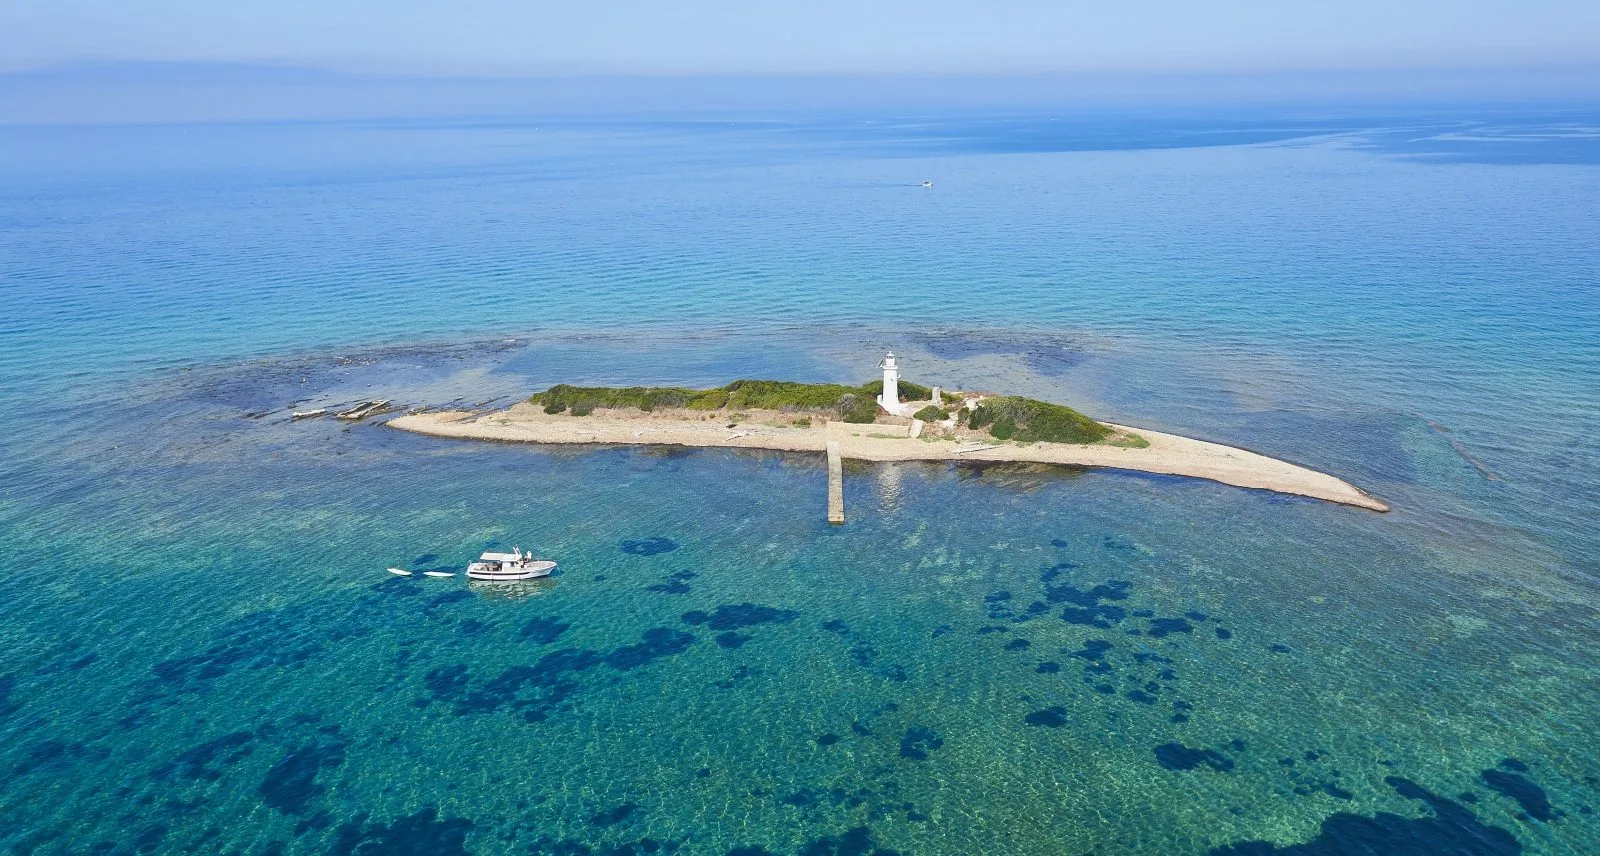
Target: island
{"points": [[885, 420]]}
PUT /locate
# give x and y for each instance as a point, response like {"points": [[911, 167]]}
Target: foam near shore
{"points": [[1166, 454]]}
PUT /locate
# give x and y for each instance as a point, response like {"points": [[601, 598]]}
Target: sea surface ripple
{"points": [[200, 652]]}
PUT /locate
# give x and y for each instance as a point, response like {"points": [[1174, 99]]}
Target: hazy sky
{"points": [[806, 36]]}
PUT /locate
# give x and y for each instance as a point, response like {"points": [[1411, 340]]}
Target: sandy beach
{"points": [[1167, 454]]}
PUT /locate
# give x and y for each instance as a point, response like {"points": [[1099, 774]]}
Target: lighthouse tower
{"points": [[889, 399]]}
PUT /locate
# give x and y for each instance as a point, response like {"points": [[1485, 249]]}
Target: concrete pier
{"points": [[835, 483]]}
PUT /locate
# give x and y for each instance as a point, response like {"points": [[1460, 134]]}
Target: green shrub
{"points": [[857, 404], [787, 395], [931, 414], [860, 409], [711, 399], [1029, 421], [907, 390], [563, 397]]}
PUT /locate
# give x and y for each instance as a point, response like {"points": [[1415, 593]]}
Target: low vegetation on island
{"points": [[1005, 418], [1028, 421], [856, 404]]}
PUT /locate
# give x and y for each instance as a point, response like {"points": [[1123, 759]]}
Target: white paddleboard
{"points": [[399, 572], [437, 574]]}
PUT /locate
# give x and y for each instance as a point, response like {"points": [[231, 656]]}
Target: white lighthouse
{"points": [[889, 399]]}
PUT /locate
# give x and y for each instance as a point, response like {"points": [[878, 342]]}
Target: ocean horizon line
{"points": [[133, 92]]}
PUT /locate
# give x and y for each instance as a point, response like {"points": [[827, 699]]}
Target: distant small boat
{"points": [[927, 184], [438, 573], [399, 572], [307, 414], [515, 565]]}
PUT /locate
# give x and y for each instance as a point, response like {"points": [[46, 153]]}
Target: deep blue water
{"points": [[200, 652]]}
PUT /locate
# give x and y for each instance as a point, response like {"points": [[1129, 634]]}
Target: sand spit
{"points": [[1167, 453]]}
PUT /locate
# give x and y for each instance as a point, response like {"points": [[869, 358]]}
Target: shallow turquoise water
{"points": [[199, 651]]}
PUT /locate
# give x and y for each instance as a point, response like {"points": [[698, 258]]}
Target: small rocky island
{"points": [[885, 420]]}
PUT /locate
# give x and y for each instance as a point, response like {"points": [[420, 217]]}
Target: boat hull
{"points": [[506, 576], [495, 572]]}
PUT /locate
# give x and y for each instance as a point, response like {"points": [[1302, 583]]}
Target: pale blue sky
{"points": [[815, 37]]}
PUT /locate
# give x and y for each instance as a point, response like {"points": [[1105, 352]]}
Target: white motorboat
{"points": [[400, 572], [515, 565]]}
